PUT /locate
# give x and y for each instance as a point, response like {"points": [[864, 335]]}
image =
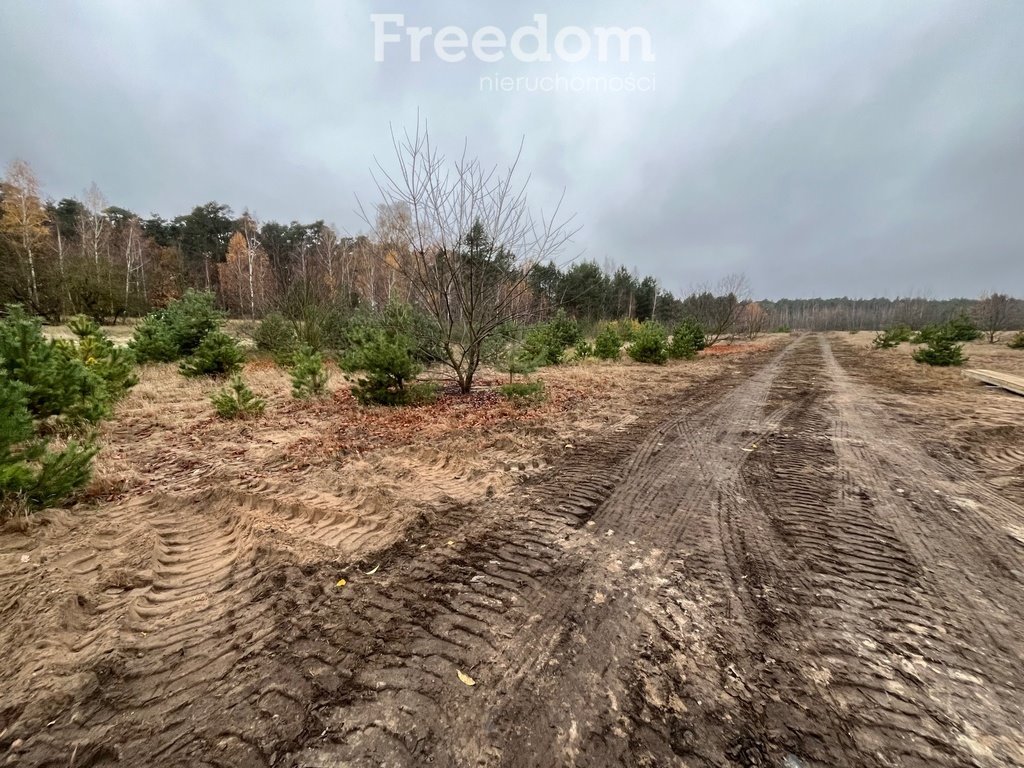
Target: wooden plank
{"points": [[1007, 381]]}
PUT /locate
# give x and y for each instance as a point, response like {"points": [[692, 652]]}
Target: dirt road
{"points": [[774, 570]]}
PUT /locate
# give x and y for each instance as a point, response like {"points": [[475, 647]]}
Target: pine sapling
{"points": [[237, 401], [309, 376]]}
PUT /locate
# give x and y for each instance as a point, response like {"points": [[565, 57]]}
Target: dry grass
{"points": [[375, 461]]}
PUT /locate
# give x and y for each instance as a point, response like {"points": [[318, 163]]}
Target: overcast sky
{"points": [[824, 148]]}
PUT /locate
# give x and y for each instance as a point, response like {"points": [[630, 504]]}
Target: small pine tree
{"points": [[544, 344], [928, 333], [687, 340], [387, 367], [648, 345], [309, 376], [941, 350], [565, 330], [626, 328], [30, 471], [1017, 342], [153, 341], [892, 337], [276, 336], [217, 355], [170, 334], [608, 345], [584, 349], [58, 386], [114, 365], [237, 401], [962, 328], [506, 351]]}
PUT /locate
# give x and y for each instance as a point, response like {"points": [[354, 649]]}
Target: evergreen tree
{"points": [[607, 345], [309, 377], [237, 401], [217, 355], [648, 345]]}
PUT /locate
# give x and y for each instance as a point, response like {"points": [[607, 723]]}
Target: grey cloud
{"points": [[869, 148]]}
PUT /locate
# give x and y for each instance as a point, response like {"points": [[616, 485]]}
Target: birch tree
{"points": [[468, 245], [23, 222]]}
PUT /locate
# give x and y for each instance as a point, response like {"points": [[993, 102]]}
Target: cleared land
{"points": [[804, 553]]}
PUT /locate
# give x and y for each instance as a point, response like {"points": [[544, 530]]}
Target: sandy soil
{"points": [[804, 554], [122, 333]]}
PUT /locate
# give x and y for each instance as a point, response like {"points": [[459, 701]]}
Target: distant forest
{"points": [[873, 314], [70, 256]]}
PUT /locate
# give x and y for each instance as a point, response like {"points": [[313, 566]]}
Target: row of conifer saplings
{"points": [[54, 393], [941, 344]]}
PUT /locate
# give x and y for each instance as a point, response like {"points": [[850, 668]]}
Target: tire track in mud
{"points": [[539, 589], [660, 490], [218, 648], [167, 644], [854, 644], [964, 645], [789, 579]]}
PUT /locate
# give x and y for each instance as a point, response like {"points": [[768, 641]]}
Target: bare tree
{"points": [[719, 308], [468, 244], [993, 313], [752, 320], [134, 264]]}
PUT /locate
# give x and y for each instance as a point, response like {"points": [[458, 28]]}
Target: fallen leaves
{"points": [[466, 679], [348, 428]]}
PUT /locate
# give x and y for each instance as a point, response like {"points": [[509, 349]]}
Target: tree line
{"points": [[992, 312], [85, 256]]}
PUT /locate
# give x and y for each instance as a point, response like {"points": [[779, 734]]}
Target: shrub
{"points": [[543, 344], [177, 331], [584, 349], [608, 345], [217, 355], [387, 365], [44, 385], [237, 401], [941, 350], [892, 337], [421, 392], [114, 365], [30, 472], [626, 328], [505, 350], [1017, 342], [524, 392], [687, 340], [962, 328], [58, 387], [564, 329], [276, 336], [309, 377], [648, 345]]}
